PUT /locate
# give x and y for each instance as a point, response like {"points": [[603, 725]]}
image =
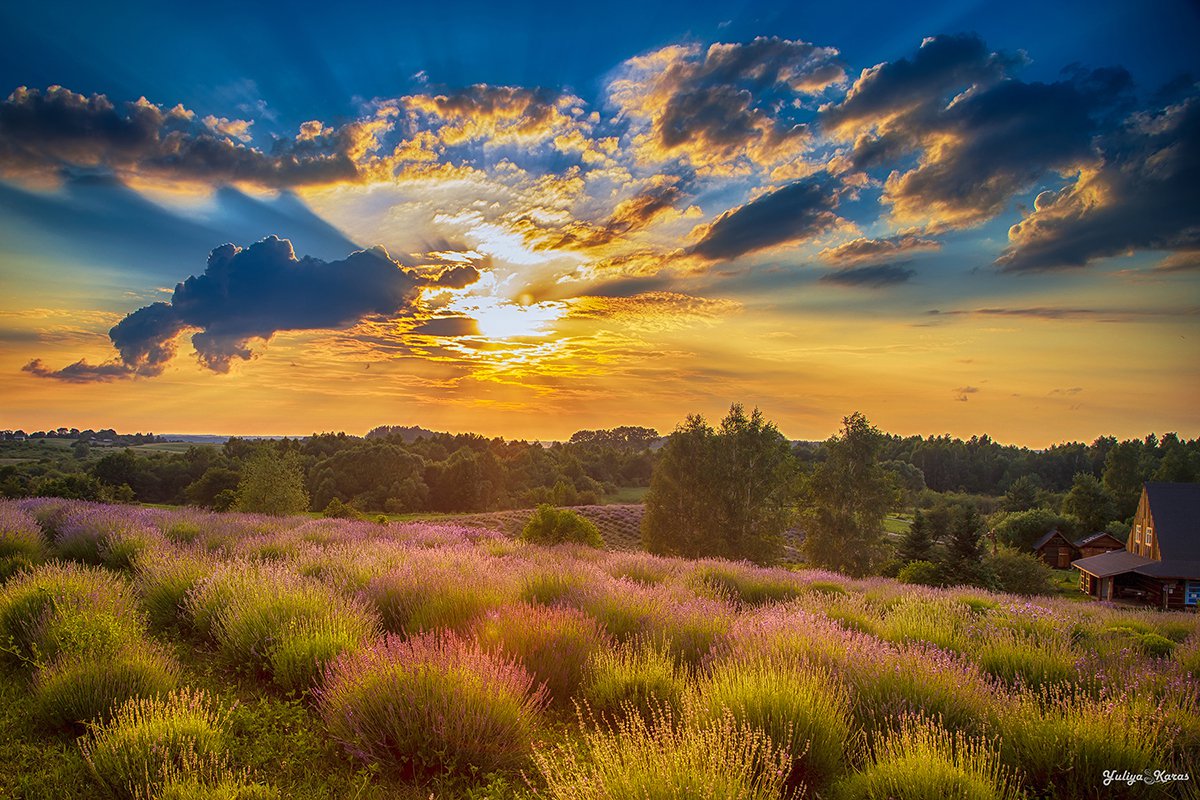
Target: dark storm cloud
{"points": [[457, 277], [791, 214], [1145, 194], [47, 131], [981, 135], [253, 293], [875, 276]]}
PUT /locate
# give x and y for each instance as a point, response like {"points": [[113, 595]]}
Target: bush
{"points": [[1021, 660], [921, 573], [336, 509], [428, 593], [60, 605], [151, 742], [921, 761], [435, 703], [1018, 573], [77, 689], [553, 644], [163, 580], [665, 759], [803, 710], [272, 484], [550, 525], [749, 585], [228, 789], [21, 542], [280, 625], [634, 677]]}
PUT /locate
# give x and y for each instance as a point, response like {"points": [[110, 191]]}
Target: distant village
{"points": [[101, 438]]}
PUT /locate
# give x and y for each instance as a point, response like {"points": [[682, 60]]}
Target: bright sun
{"points": [[503, 319]]}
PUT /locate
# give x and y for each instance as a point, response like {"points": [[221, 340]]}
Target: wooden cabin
{"points": [[1160, 564], [1056, 550], [1096, 544]]}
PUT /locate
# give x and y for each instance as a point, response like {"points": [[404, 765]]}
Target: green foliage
{"points": [[1090, 502], [550, 525], [916, 544], [921, 573], [724, 492], [272, 484], [336, 509], [1022, 494], [75, 689], [152, 742], [666, 758], [921, 761], [1010, 570], [846, 499], [803, 710], [635, 676], [1021, 529], [963, 545]]}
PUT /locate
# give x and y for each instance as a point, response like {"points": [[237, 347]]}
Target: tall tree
{"points": [[272, 483], [964, 549], [1091, 502], [724, 492], [917, 543], [846, 499]]}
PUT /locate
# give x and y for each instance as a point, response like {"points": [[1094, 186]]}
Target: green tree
{"points": [[725, 492], [272, 483], [917, 542], [1091, 502], [1124, 474], [845, 500], [964, 548], [1022, 493], [1021, 529]]}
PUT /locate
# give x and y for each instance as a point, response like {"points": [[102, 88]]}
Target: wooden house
{"points": [[1096, 544], [1160, 563], [1056, 550]]}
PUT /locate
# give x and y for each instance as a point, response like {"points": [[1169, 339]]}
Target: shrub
{"points": [[435, 703], [553, 644], [336, 509], [163, 580], [272, 483], [427, 593], [281, 625], [182, 532], [55, 604], [1018, 573], [920, 761], [21, 542], [101, 535], [1021, 660], [665, 759], [554, 587], [921, 573], [746, 584], [550, 525], [228, 789], [1152, 644], [635, 676], [150, 742], [76, 689], [804, 710]]}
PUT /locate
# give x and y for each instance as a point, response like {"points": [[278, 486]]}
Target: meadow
{"points": [[179, 654]]}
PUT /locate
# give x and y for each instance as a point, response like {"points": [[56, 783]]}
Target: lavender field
{"points": [[178, 654]]}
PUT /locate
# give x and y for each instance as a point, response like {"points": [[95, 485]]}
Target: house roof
{"points": [[1089, 539], [1042, 542], [1112, 563], [1171, 569], [1175, 508]]}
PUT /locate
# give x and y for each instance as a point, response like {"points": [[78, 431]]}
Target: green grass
{"points": [[897, 523], [627, 494]]}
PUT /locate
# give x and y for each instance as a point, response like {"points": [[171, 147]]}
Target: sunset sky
{"points": [[522, 221]]}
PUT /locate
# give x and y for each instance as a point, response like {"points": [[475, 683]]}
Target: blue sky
{"points": [[952, 216]]}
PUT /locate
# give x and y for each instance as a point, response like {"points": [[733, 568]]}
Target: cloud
{"points": [[652, 202], [980, 135], [500, 114], [653, 310], [1142, 195], [457, 277], [792, 214], [862, 249], [43, 132], [447, 326], [874, 276], [1072, 314], [254, 293], [726, 108]]}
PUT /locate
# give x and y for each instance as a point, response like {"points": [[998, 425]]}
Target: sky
{"points": [[528, 219]]}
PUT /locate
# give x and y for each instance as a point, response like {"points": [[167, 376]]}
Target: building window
{"points": [[1149, 538]]}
